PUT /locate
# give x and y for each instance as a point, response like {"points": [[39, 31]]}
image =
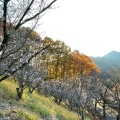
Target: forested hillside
{"points": [[32, 68]]}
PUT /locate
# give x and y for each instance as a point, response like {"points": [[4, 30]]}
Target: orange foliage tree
{"points": [[81, 64], [63, 64]]}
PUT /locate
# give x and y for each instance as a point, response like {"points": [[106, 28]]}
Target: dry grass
{"points": [[32, 106]]}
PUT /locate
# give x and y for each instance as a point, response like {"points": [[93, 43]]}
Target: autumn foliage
{"points": [[63, 64], [81, 64]]}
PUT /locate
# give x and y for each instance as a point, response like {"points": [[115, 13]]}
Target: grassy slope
{"points": [[31, 107]]}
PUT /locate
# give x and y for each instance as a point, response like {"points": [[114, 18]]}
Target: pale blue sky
{"points": [[91, 26]]}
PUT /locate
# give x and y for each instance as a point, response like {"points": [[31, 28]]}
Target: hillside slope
{"points": [[31, 107]]}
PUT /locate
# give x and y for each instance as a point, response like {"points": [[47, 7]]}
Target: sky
{"points": [[90, 26]]}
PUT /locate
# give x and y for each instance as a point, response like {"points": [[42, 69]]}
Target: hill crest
{"points": [[112, 55], [108, 61]]}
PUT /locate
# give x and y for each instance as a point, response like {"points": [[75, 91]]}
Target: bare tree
{"points": [[27, 77], [13, 15], [114, 87]]}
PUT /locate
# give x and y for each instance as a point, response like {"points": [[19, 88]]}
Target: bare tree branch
{"points": [[24, 64], [5, 38], [28, 8], [37, 14]]}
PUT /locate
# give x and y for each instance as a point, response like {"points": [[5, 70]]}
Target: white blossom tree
{"points": [[27, 77], [14, 15]]}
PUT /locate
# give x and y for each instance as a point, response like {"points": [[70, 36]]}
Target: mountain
{"points": [[113, 55], [108, 61]]}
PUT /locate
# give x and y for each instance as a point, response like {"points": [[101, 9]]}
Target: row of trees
{"points": [[96, 96], [23, 51], [61, 63], [56, 62]]}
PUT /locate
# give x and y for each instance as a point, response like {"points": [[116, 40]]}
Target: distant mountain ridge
{"points": [[113, 55], [108, 61]]}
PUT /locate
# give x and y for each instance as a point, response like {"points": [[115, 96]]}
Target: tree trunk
{"points": [[95, 105], [60, 100], [82, 115], [104, 110], [31, 90], [56, 100], [19, 93], [118, 116]]}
